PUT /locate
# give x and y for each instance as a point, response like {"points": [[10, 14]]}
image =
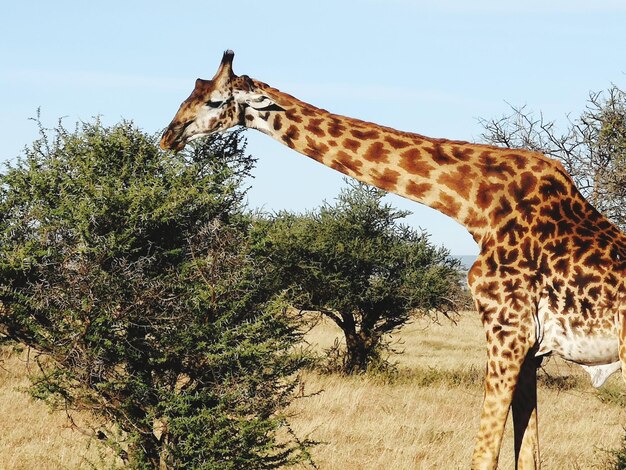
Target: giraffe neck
{"points": [[459, 179]]}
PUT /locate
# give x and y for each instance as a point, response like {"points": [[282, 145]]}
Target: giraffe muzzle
{"points": [[172, 141]]}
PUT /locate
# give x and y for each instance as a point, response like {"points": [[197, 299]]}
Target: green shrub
{"points": [[129, 271], [359, 266]]}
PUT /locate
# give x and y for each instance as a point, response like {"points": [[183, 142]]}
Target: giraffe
{"points": [[550, 276]]}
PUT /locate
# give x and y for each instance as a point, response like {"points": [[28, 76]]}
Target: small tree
{"points": [[592, 148], [128, 270], [358, 266]]}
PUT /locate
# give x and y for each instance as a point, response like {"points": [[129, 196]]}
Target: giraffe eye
{"points": [[214, 104]]}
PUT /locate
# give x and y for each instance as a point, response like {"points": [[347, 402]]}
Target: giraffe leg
{"points": [[525, 415], [622, 344], [507, 350]]}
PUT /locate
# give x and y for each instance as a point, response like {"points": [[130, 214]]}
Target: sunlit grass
{"points": [[32, 437], [424, 413], [421, 414]]}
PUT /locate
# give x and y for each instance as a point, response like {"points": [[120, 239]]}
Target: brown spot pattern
{"points": [[278, 122], [459, 180], [364, 134], [314, 127], [396, 143], [351, 144], [448, 205], [293, 116], [412, 161], [462, 154], [438, 154], [386, 180], [346, 161], [316, 148], [290, 135], [309, 111], [335, 128], [417, 190], [377, 153]]}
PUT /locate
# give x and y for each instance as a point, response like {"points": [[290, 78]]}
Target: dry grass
{"points": [[32, 437], [427, 418]]}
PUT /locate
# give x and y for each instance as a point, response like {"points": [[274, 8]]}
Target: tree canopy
{"points": [[354, 262], [128, 271]]}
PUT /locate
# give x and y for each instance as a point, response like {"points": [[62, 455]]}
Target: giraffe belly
{"points": [[555, 335], [579, 348]]}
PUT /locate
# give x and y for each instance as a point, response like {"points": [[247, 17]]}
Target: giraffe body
{"points": [[558, 334], [550, 277], [574, 344]]}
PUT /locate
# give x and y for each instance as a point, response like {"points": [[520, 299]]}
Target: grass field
{"points": [[426, 417], [33, 438]]}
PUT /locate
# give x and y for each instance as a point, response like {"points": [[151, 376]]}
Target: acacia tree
{"points": [[592, 147], [128, 271], [356, 264]]}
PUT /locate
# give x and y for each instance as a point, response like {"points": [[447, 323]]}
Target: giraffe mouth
{"points": [[176, 137], [177, 141], [172, 140]]}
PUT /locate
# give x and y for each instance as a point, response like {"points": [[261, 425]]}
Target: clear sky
{"points": [[433, 67]]}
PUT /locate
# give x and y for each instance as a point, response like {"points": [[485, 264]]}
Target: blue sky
{"points": [[432, 67]]}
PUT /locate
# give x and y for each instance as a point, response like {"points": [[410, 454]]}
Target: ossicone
{"points": [[225, 71], [228, 57]]}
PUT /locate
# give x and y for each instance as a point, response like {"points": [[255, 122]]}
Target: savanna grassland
{"points": [[423, 416], [31, 437], [427, 415]]}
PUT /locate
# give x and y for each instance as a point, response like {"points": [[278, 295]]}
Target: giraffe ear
{"points": [[262, 102]]}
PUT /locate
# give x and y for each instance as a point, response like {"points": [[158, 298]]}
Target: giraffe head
{"points": [[215, 105]]}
